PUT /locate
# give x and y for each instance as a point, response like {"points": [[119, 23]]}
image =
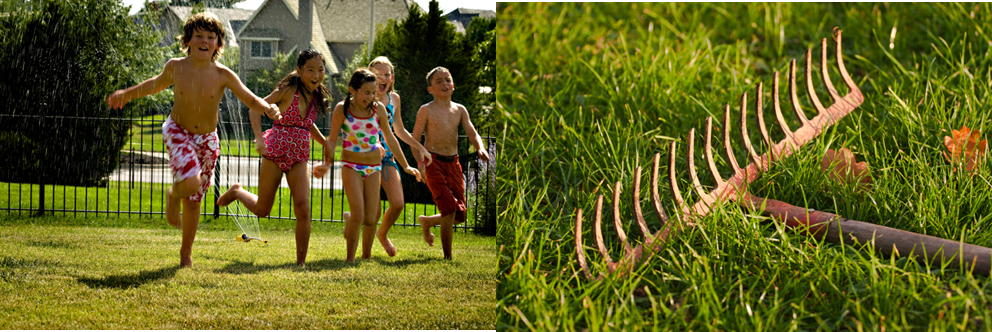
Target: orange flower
{"points": [[841, 167], [965, 148]]}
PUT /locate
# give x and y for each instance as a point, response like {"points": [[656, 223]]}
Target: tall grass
{"points": [[591, 91]]}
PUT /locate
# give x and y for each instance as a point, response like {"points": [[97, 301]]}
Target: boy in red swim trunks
{"points": [[440, 119], [190, 132]]}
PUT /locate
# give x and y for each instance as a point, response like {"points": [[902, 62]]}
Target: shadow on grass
{"points": [[326, 264], [130, 280]]}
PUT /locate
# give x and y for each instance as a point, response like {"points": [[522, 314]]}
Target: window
{"points": [[261, 48]]}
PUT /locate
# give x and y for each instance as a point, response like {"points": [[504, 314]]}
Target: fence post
{"points": [[41, 195]]}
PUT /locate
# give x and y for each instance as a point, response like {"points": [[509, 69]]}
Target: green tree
{"points": [[59, 60]]}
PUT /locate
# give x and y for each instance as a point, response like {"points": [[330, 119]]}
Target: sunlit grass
{"points": [[122, 273], [589, 92]]}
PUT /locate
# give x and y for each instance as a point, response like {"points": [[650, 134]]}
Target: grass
{"points": [[113, 272], [589, 92], [146, 136]]}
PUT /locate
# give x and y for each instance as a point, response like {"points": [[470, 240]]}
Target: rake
{"points": [[819, 225]]}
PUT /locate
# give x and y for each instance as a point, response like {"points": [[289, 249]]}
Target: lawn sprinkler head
{"points": [[265, 241], [245, 237]]}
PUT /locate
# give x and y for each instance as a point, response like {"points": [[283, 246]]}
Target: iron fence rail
{"points": [[140, 185]]}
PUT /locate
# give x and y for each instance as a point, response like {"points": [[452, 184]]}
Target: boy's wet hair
{"points": [[359, 78], [294, 79], [437, 69], [381, 60], [205, 21]]}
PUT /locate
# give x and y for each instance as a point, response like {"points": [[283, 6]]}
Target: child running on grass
{"points": [[190, 132], [285, 147], [391, 184], [360, 118], [439, 120]]}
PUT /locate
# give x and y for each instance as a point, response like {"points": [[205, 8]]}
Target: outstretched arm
{"points": [[254, 103], [394, 146], [151, 86], [473, 136], [337, 118]]}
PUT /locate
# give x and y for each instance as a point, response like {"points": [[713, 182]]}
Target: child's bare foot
{"points": [[229, 195], [428, 236], [186, 262], [387, 245], [172, 210]]}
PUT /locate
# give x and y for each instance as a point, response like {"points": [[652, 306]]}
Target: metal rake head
{"points": [[735, 187]]}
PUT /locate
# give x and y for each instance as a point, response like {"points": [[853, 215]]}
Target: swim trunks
{"points": [[288, 141], [444, 179], [191, 154]]}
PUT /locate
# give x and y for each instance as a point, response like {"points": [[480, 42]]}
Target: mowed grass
{"points": [[123, 273], [589, 92]]}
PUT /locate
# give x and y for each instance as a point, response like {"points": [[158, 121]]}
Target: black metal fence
{"points": [[138, 185]]}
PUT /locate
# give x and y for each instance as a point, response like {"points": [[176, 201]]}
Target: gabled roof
{"points": [[469, 11], [226, 15], [317, 40], [348, 20], [294, 8]]}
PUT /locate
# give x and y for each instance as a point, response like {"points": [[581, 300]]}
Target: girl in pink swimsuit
{"points": [[286, 146], [360, 118]]}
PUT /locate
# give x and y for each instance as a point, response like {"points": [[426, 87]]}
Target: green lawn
{"points": [[146, 136], [110, 272], [589, 92]]}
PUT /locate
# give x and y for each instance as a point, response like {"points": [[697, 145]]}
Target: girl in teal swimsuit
{"points": [[385, 94], [358, 119]]}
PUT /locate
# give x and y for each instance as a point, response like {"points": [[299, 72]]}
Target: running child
{"points": [[285, 147], [190, 132], [391, 184], [440, 119], [360, 118]]}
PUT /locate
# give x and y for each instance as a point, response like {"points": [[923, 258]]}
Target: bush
{"points": [[59, 60]]}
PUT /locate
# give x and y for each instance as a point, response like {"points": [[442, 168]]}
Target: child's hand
{"points": [[484, 155], [427, 157], [273, 112], [413, 171], [116, 100], [321, 170], [260, 147]]}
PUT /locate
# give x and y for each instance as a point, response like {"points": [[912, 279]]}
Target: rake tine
{"points": [[826, 77], [637, 203], [616, 218], [763, 129], [755, 159], [578, 245], [794, 97], [598, 230], [855, 93], [655, 197], [708, 152], [675, 184], [810, 91], [726, 140], [778, 113], [703, 196]]}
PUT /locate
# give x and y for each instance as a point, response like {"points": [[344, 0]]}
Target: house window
{"points": [[261, 49]]}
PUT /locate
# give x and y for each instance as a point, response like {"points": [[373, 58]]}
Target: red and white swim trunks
{"points": [[191, 154]]}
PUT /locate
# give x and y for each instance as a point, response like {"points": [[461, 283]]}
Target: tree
{"points": [[59, 59]]}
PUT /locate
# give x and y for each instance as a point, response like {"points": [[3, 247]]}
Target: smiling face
{"points": [[364, 96], [312, 73], [203, 44], [441, 84], [384, 78]]}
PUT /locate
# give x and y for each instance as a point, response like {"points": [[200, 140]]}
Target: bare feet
{"points": [[387, 245], [428, 236], [345, 216], [185, 262], [229, 195], [173, 207]]}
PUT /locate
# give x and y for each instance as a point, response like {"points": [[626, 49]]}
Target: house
{"points": [[172, 19], [336, 28], [461, 17]]}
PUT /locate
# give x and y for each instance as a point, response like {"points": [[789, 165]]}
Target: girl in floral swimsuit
{"points": [[360, 118], [286, 146]]}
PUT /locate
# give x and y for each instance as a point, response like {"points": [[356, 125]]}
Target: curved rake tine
{"points": [[726, 141], [810, 91], [778, 115], [793, 97], [708, 153], [855, 93], [764, 129], [755, 159], [580, 253], [655, 197], [703, 196], [598, 230], [675, 185], [616, 218], [637, 203]]}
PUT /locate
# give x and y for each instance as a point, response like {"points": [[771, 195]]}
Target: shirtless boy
{"points": [[190, 132], [439, 121]]}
